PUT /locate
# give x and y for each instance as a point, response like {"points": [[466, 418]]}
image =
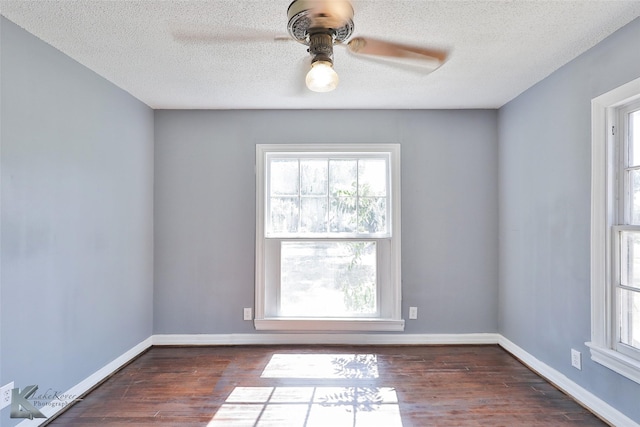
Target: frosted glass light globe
{"points": [[322, 77]]}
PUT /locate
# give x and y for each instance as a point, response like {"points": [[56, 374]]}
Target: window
{"points": [[328, 237], [615, 230]]}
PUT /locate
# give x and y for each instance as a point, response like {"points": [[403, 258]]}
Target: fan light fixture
{"points": [[321, 24], [322, 77]]}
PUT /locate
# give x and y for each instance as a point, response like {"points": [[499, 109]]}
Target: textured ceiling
{"points": [[220, 54]]}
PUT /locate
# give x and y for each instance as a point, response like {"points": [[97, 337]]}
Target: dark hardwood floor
{"points": [[326, 386]]}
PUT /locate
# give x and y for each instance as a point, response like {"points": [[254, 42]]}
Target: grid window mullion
{"points": [[360, 207]]}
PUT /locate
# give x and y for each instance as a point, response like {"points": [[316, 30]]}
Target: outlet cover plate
{"points": [[247, 314], [5, 395], [576, 359], [413, 313]]}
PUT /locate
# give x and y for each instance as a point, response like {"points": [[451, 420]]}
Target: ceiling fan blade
{"points": [[405, 54], [234, 35]]}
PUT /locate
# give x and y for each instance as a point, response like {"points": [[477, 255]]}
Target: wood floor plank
{"points": [[328, 386]]}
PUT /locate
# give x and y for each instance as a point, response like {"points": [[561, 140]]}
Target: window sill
{"points": [[329, 325], [624, 365]]}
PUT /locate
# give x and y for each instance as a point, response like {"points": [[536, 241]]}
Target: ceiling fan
{"points": [[321, 24]]}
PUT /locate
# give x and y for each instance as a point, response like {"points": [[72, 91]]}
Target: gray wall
{"points": [[76, 210], [205, 211], [545, 155]]}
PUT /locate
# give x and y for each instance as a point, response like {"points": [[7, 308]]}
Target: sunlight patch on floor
{"points": [[322, 366], [339, 391], [309, 407]]}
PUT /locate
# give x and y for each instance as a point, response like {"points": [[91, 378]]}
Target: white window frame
{"points": [[389, 315], [605, 226]]}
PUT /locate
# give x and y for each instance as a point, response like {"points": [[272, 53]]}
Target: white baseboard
{"points": [[354, 339], [584, 397], [87, 384]]}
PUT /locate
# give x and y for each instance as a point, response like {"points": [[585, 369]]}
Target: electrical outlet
{"points": [[576, 359], [247, 314], [413, 313], [5, 395]]}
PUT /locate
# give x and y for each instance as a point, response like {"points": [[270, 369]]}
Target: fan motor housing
{"points": [[333, 15]]}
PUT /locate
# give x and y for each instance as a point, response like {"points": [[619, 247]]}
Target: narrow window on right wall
{"points": [[615, 230], [626, 235]]}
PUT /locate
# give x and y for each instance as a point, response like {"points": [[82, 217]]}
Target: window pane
{"points": [[634, 193], [343, 177], [284, 177], [284, 215], [630, 318], [343, 214], [313, 215], [634, 138], [372, 215], [372, 177], [328, 279], [630, 259], [313, 177]]}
